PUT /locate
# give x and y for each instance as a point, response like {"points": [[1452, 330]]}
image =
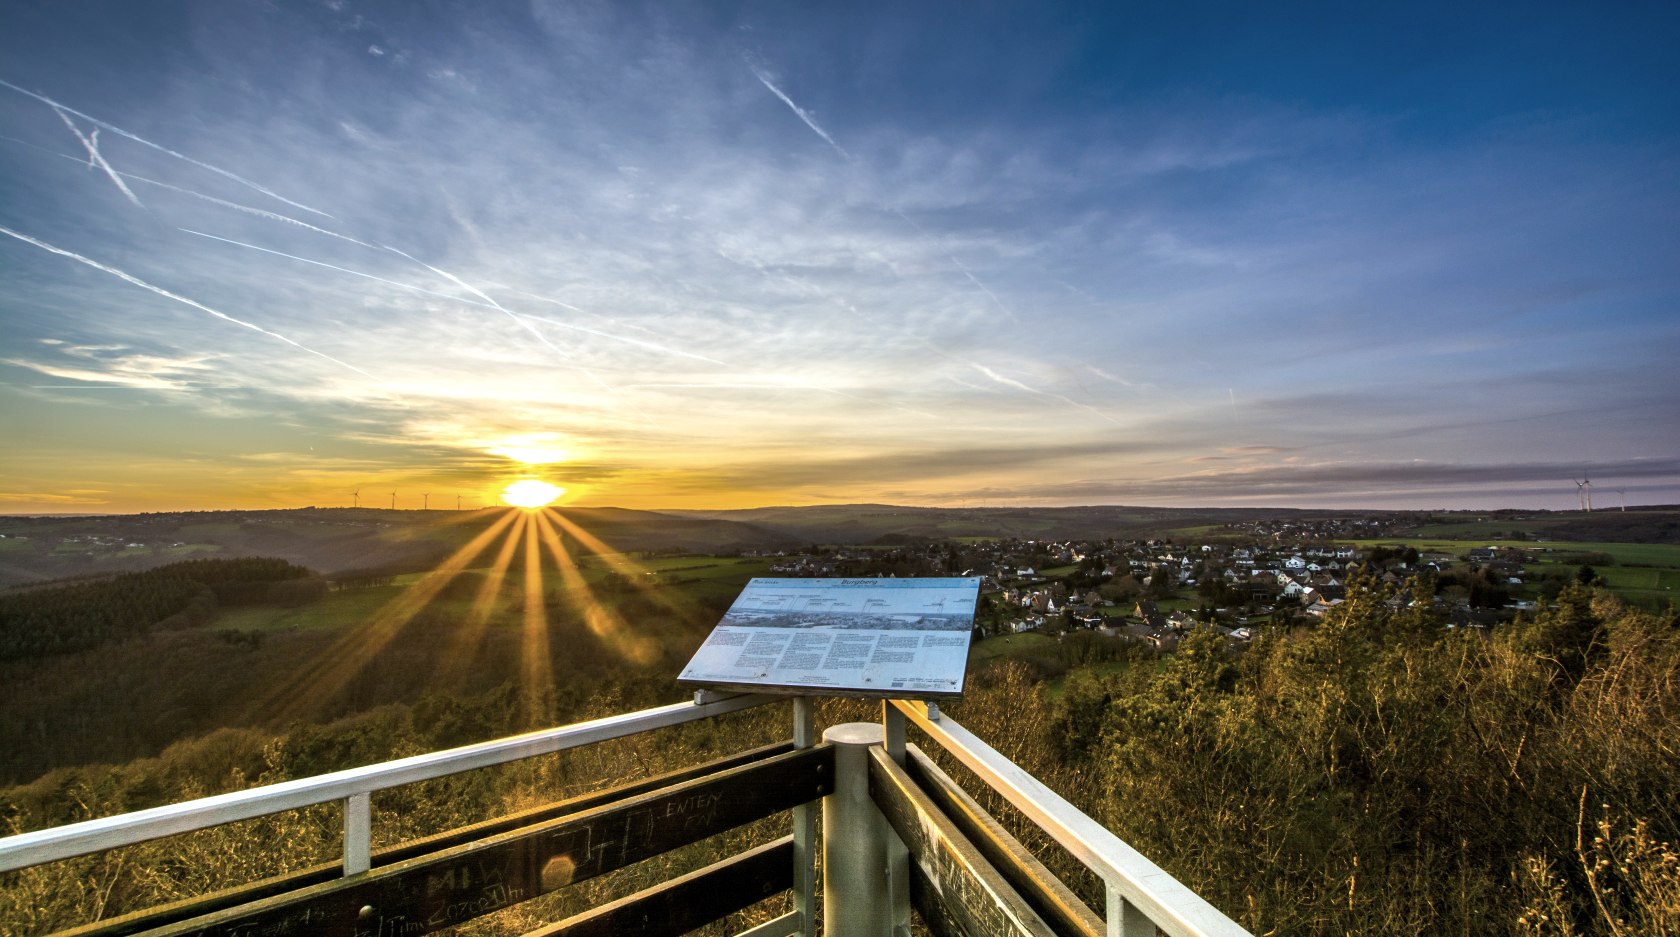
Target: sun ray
{"points": [[332, 670], [536, 669], [674, 601], [606, 624], [466, 640]]}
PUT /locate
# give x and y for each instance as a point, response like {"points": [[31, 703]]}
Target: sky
{"points": [[721, 255]]}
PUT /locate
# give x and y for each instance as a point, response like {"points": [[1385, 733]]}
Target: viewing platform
{"points": [[878, 835]]}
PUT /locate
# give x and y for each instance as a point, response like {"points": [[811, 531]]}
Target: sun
{"points": [[531, 493]]}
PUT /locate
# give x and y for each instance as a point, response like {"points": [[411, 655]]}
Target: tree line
{"points": [[80, 616]]}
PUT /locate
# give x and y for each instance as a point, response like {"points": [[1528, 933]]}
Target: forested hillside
{"points": [[79, 616]]}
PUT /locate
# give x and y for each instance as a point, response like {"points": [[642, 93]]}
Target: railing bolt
{"points": [[366, 912]]}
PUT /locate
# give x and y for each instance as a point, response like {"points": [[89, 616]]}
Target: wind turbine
{"points": [[457, 502], [393, 501], [1581, 493], [1587, 486], [1623, 493], [356, 498], [425, 501]]}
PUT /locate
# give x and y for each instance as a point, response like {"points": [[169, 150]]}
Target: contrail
{"points": [[960, 266], [321, 263], [1107, 376], [486, 302], [773, 385], [803, 115], [593, 315], [94, 159], [1011, 382], [984, 289], [806, 117], [628, 341], [181, 156], [178, 298]]}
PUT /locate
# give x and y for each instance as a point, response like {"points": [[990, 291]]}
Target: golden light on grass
{"points": [[605, 623], [538, 531], [531, 493], [537, 669], [319, 680]]}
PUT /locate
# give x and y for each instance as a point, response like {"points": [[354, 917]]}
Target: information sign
{"points": [[842, 637]]}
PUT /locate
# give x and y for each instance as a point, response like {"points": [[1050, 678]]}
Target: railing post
{"points": [[855, 843], [805, 829], [358, 833], [892, 723], [1126, 919]]}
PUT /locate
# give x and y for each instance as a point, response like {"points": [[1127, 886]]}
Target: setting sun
{"points": [[531, 493]]}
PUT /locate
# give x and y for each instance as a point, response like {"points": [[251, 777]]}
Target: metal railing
{"points": [[1141, 897], [352, 786]]}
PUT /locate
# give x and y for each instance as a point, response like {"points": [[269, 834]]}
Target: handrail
{"points": [[1131, 878], [49, 845]]}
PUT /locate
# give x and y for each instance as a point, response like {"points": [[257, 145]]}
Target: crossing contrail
{"points": [[91, 143], [113, 271], [163, 149]]}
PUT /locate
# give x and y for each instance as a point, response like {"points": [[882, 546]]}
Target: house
{"points": [[1163, 639]]}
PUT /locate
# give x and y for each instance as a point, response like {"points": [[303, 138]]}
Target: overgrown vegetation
{"points": [[1380, 774]]}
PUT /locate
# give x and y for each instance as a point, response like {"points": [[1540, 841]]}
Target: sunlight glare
{"points": [[531, 493]]}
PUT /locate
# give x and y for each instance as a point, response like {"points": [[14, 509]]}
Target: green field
{"points": [[696, 578], [335, 610], [1649, 554], [1008, 645], [1647, 574]]}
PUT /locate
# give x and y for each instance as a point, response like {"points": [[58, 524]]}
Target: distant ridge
{"points": [[329, 540]]}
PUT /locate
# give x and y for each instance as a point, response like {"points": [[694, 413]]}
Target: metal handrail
{"points": [[1141, 896], [353, 786]]}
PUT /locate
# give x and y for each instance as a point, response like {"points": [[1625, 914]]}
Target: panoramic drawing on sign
{"points": [[870, 637]]}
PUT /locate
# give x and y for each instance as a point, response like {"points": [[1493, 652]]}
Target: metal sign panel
{"points": [[843, 637]]}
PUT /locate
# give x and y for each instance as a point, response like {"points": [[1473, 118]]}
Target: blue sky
{"points": [[719, 255]]}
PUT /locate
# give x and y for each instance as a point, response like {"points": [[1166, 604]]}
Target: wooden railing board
{"points": [[444, 889], [200, 905], [959, 892], [689, 901], [1053, 900]]}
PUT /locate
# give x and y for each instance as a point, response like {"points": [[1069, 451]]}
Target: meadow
{"points": [[1646, 574]]}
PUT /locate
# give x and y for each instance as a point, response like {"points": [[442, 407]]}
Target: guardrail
{"points": [[898, 834], [1141, 897], [352, 786]]}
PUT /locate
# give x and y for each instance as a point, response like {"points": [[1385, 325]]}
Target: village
{"points": [[1154, 591]]}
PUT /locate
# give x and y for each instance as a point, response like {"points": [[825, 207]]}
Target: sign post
{"points": [[883, 638]]}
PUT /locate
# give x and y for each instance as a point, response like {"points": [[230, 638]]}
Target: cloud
{"points": [[26, 497]]}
